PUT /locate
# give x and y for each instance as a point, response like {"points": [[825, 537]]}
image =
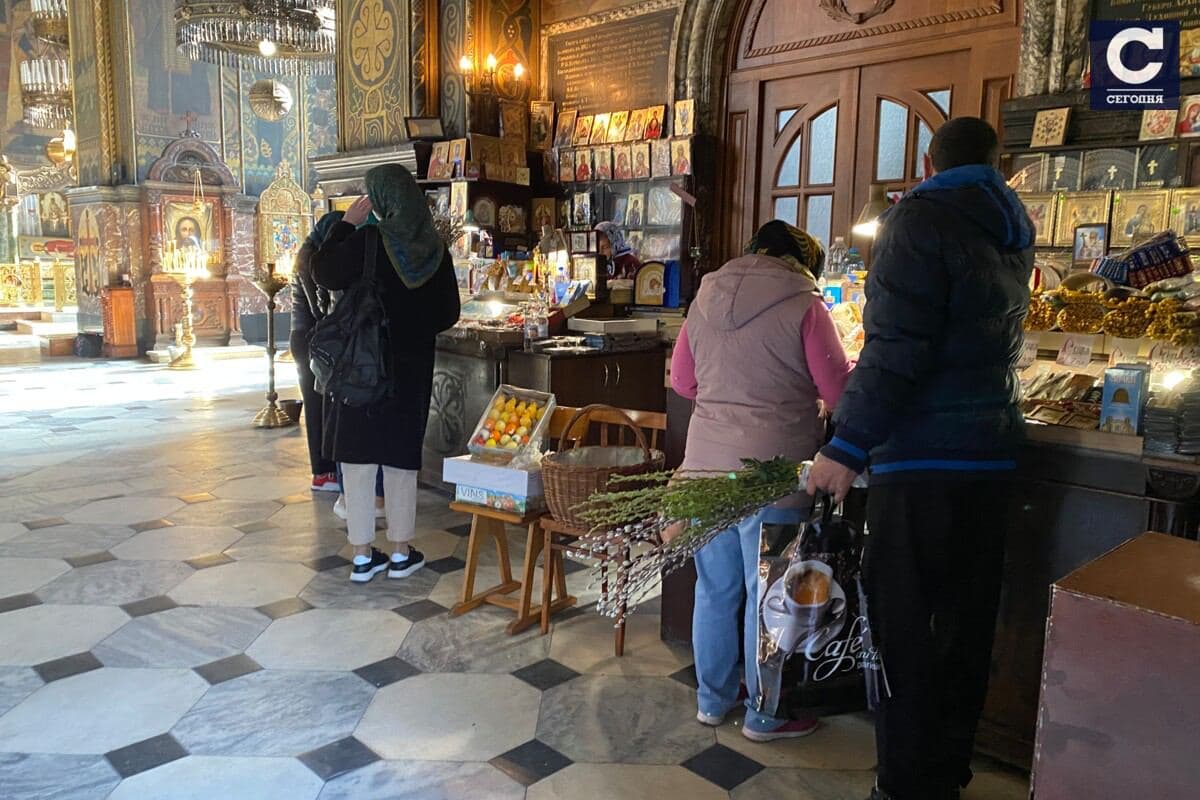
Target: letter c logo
{"points": [[1152, 38]]}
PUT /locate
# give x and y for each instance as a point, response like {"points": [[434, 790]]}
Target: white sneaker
{"points": [[339, 508], [711, 720]]}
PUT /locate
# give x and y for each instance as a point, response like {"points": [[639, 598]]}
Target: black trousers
{"points": [[932, 566], [313, 404]]}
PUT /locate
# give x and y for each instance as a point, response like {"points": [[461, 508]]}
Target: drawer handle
{"points": [[618, 374], [606, 374]]}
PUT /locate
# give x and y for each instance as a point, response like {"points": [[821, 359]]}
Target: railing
{"points": [[36, 284]]}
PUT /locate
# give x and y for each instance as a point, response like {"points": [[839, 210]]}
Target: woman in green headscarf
{"points": [[415, 279]]}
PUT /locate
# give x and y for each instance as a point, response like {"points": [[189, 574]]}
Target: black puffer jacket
{"points": [[934, 390]]}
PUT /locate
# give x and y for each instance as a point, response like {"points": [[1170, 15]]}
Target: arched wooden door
{"points": [[882, 85]]}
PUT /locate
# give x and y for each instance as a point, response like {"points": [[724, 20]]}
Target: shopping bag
{"points": [[814, 645]]}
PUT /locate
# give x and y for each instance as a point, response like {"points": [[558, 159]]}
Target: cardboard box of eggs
{"points": [[515, 420]]}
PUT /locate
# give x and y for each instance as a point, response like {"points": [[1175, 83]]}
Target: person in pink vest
{"points": [[758, 350]]}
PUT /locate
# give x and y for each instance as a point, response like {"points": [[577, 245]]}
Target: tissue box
{"points": [[494, 485]]}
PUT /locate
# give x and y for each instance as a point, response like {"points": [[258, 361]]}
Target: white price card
{"points": [[1029, 351], [1076, 351]]}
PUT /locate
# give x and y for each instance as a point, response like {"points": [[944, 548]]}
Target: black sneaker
{"points": [[362, 573], [403, 567]]}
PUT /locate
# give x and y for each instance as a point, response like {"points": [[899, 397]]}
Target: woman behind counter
{"points": [[415, 278], [758, 350]]}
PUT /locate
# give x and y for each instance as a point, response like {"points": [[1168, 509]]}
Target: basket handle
{"points": [[586, 411]]}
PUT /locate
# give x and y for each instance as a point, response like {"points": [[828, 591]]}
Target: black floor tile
{"points": [[49, 522], [326, 563], [531, 762], [460, 530], [17, 601], [145, 755], [65, 667], [256, 527], [445, 565], [545, 674], [422, 609], [687, 676], [725, 767], [205, 562], [151, 605], [284, 608], [152, 525], [338, 758], [386, 672], [226, 669], [90, 559]]}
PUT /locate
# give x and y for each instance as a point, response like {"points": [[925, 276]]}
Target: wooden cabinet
{"points": [[120, 330], [624, 380]]}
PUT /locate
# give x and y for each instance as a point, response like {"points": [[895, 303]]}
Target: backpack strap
{"points": [[368, 274]]}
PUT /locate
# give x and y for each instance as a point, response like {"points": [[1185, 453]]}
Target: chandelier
{"points": [[272, 36], [46, 92]]}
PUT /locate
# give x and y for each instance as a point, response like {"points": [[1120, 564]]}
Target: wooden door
{"points": [[807, 131], [900, 106]]}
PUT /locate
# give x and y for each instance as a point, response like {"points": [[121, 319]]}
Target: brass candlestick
{"points": [[271, 284], [187, 267]]}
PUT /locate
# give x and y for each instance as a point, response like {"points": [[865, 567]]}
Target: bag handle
{"points": [[586, 411], [368, 273]]}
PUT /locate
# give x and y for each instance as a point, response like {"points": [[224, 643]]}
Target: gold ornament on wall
{"points": [[270, 100]]}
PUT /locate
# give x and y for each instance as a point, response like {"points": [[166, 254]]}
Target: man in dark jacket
{"points": [[932, 409]]}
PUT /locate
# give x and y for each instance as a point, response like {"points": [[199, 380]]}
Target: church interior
{"points": [[179, 616]]}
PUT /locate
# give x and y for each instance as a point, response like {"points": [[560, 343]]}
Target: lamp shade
{"points": [[868, 219]]}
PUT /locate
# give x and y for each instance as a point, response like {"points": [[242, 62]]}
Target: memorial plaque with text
{"points": [[613, 66], [1186, 11]]}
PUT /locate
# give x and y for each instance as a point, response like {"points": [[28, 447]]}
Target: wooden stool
{"points": [[487, 522], [567, 535]]}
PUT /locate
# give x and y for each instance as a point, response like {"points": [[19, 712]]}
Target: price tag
{"points": [[1076, 351], [1029, 351], [1124, 351]]}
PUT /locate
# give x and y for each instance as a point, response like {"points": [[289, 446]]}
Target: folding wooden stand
{"points": [[488, 522]]}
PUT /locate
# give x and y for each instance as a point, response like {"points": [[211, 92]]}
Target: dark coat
{"points": [[309, 301], [392, 432], [935, 389]]}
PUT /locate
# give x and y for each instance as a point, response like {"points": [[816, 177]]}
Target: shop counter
{"points": [[1078, 495], [471, 364]]}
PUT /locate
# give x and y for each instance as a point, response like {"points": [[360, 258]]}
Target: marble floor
{"points": [[176, 622]]}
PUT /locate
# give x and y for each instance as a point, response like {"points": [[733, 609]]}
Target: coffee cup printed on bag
{"points": [[798, 603]]}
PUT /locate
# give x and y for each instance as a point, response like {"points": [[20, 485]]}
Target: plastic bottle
{"points": [[854, 261], [835, 261]]}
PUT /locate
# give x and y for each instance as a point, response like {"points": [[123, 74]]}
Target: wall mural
{"points": [[172, 93], [24, 145], [91, 162], [452, 39], [509, 33], [375, 67]]}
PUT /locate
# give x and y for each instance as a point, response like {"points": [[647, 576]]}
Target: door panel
{"points": [[901, 104], [806, 126]]}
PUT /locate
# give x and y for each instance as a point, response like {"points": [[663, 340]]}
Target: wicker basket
{"points": [[572, 476]]}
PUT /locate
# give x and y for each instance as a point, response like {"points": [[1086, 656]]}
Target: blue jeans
{"points": [[378, 480], [727, 572]]}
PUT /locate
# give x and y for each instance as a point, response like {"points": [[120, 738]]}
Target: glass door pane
{"points": [[891, 141], [818, 217], [822, 147], [786, 209]]}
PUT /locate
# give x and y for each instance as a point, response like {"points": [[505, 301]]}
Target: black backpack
{"points": [[348, 350]]}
